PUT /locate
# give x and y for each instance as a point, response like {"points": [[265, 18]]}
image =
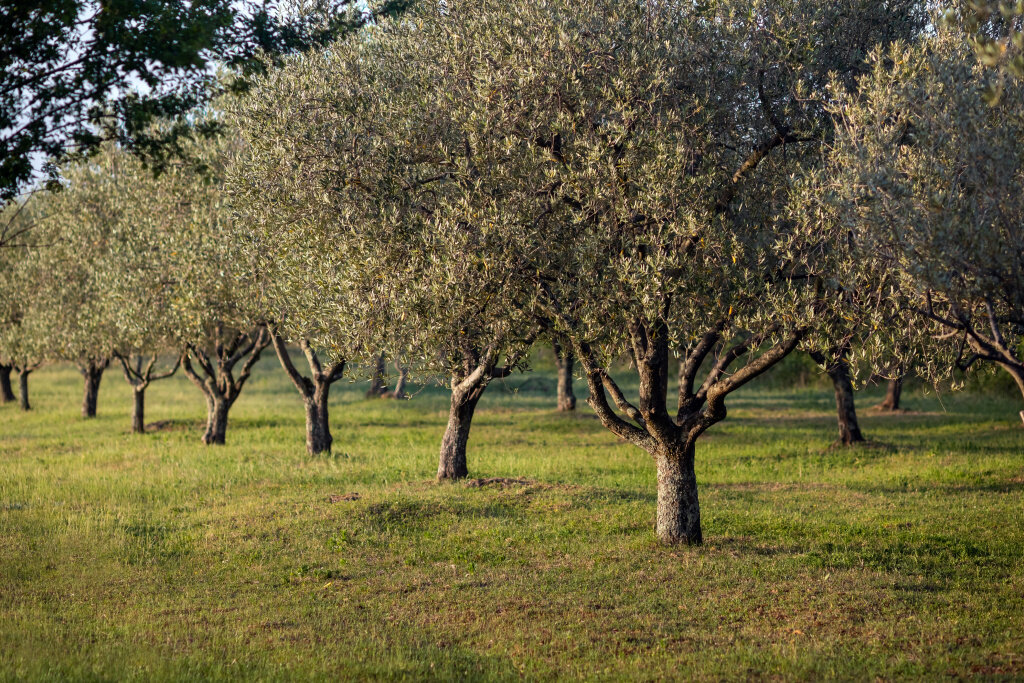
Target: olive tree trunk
{"points": [[1017, 372], [139, 375], [217, 408], [23, 389], [318, 428], [139, 410], [893, 393], [678, 515], [215, 376], [452, 461], [565, 361], [846, 411], [315, 390], [378, 384], [6, 391], [403, 378], [92, 373]]}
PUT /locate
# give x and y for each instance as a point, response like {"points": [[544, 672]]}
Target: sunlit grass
{"points": [[153, 557]]}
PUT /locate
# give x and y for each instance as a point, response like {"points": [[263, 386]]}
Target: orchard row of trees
{"points": [[710, 186]]}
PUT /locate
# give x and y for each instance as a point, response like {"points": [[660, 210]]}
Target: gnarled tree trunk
{"points": [[893, 393], [564, 361], [23, 389], [6, 390], [678, 516], [217, 408], [318, 429], [92, 373], [314, 390], [218, 383], [452, 461]]}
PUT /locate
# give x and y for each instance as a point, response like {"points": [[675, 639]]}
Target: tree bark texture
{"points": [[314, 390], [452, 461], [139, 410], [6, 390], [23, 389], [92, 373], [217, 381], [216, 420], [678, 515], [893, 393], [565, 362], [846, 412]]}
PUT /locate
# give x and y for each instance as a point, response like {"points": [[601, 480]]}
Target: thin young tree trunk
{"points": [[6, 391], [139, 409], [216, 420], [678, 516], [378, 385], [403, 377], [565, 362], [139, 378], [23, 389], [92, 372], [452, 461], [893, 392]]}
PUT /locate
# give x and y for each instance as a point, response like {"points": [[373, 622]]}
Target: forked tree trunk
{"points": [[139, 410], [452, 461], [216, 420], [23, 389], [318, 429], [565, 361], [678, 516], [6, 391], [893, 392], [92, 373]]}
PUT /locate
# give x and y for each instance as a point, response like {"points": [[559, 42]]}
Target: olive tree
{"points": [[627, 167], [22, 330], [341, 207], [925, 184], [211, 299]]}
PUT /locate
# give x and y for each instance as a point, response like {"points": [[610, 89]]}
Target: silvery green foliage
{"points": [[337, 187], [476, 165], [926, 183], [106, 264], [21, 329]]}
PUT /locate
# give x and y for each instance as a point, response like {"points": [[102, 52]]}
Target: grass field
{"points": [[152, 557]]}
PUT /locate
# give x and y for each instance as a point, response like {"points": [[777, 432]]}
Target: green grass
{"points": [[153, 557]]}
